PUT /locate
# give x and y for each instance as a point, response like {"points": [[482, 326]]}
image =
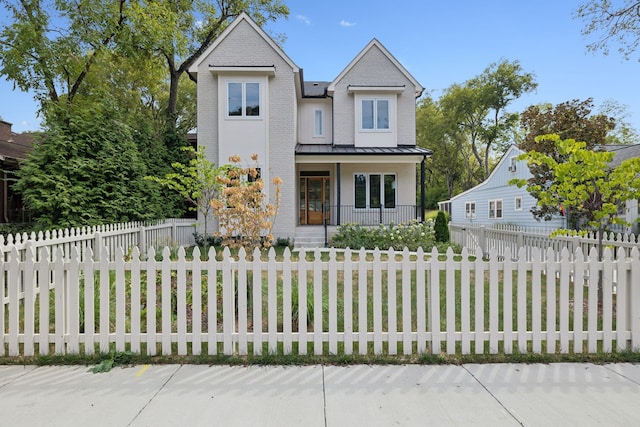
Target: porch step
{"points": [[309, 237]]}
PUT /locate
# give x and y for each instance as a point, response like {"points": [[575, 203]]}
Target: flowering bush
{"points": [[411, 235]]}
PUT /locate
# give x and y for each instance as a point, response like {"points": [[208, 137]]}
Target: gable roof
{"points": [[243, 17], [505, 157], [375, 43]]}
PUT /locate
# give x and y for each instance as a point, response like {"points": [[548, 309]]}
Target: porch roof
{"points": [[350, 153]]}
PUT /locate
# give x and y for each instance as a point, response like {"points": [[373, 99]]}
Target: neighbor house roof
{"points": [[625, 153]]}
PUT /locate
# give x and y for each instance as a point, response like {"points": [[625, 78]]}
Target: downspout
{"points": [[422, 192], [338, 177]]}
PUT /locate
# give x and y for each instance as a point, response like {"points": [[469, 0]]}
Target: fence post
{"points": [[482, 240], [142, 242], [174, 232], [97, 246]]}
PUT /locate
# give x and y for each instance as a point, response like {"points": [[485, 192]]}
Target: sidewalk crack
{"points": [[154, 396], [494, 396], [324, 397]]}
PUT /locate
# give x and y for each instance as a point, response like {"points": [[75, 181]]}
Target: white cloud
{"points": [[303, 19], [347, 24]]}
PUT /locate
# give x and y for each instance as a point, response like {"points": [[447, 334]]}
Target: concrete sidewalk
{"points": [[563, 394]]}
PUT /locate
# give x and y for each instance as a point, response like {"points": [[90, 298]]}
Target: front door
{"points": [[314, 193]]}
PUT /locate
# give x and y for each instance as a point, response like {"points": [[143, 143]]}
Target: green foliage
{"points": [[441, 228], [569, 120], [197, 182], [111, 360], [469, 124], [87, 170], [411, 235], [584, 182]]}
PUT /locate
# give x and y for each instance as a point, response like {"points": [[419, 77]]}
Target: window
{"points": [[495, 209], [317, 123], [470, 210], [518, 203], [375, 114], [374, 191], [243, 99]]}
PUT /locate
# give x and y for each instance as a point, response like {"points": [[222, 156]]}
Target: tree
{"points": [[616, 25], [87, 170], [583, 182], [441, 228], [197, 182], [53, 55], [434, 130], [479, 108], [245, 216], [180, 31], [569, 120]]}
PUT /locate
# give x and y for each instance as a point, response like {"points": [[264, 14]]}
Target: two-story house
{"points": [[345, 150]]}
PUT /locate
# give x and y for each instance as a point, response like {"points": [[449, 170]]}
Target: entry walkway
{"points": [[563, 394]]}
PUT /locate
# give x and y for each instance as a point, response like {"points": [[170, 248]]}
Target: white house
{"points": [[346, 147], [494, 201]]}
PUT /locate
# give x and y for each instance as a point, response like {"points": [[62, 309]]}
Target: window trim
{"points": [[515, 203], [243, 115], [318, 129], [470, 213], [493, 213], [375, 100], [382, 194]]}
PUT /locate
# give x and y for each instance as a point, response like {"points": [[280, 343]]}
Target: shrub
{"points": [[411, 235], [440, 228]]}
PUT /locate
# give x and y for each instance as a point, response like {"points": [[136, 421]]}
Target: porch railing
{"points": [[347, 214]]}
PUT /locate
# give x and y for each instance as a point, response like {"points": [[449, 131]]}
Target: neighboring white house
{"points": [[347, 146], [494, 201]]}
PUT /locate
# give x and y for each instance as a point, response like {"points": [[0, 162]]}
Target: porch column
{"points": [[422, 194], [339, 195]]}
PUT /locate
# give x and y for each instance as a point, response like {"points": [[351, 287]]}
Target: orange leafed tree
{"points": [[245, 213]]}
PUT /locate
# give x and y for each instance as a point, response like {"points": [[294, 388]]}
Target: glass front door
{"points": [[314, 194]]}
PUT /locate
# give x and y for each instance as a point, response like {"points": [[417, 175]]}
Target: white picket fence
{"points": [[168, 232], [498, 238], [331, 302]]}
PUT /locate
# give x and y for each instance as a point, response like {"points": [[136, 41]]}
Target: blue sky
{"points": [[440, 43]]}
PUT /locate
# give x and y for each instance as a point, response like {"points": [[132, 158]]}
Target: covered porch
{"points": [[369, 186]]}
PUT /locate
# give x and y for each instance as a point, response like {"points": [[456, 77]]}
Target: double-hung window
{"points": [[495, 209], [375, 191], [243, 99], [375, 114], [470, 210]]}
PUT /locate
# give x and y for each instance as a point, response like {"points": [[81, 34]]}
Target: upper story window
{"points": [[243, 99], [375, 114], [518, 203], [317, 123]]}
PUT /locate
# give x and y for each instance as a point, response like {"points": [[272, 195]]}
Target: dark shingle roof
{"points": [[622, 154], [315, 89]]}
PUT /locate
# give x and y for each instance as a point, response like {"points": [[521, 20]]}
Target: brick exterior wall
{"points": [[245, 47], [374, 69]]}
